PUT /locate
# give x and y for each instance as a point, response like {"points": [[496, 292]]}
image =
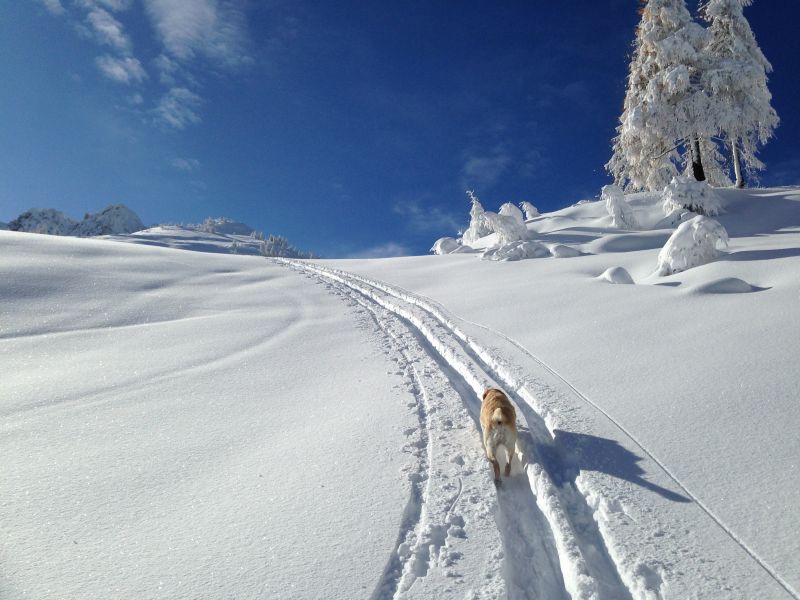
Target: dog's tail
{"points": [[497, 416]]}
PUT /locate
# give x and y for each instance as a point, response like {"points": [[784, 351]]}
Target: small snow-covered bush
{"points": [[694, 243], [509, 210], [518, 250], [445, 245], [619, 210], [617, 275], [696, 196], [483, 222], [508, 229], [531, 212]]}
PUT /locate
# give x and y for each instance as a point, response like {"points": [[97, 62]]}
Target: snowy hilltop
{"points": [[112, 220]]}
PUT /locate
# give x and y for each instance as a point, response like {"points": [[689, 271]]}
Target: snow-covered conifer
{"points": [[479, 226], [509, 210], [619, 210], [696, 196], [693, 243], [664, 113], [531, 212], [736, 81]]}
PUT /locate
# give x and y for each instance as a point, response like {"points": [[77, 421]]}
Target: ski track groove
{"points": [[588, 570], [435, 309]]}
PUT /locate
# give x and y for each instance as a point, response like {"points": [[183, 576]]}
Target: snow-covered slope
{"points": [[184, 425], [700, 368]]}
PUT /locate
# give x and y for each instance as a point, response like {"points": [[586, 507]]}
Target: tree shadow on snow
{"points": [[571, 453]]}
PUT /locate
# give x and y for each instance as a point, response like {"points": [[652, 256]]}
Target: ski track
{"points": [[553, 547], [641, 572]]}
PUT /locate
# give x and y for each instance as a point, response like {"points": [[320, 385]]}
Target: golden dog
{"points": [[499, 424]]}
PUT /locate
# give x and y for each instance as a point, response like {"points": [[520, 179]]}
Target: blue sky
{"points": [[350, 128]]}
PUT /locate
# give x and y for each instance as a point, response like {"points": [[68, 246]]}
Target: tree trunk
{"points": [[697, 160], [737, 165]]}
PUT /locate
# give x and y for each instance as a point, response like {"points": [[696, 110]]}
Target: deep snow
{"points": [[183, 425]]}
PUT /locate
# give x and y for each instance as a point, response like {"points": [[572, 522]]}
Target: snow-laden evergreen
{"points": [[736, 81], [478, 224], [693, 243], [509, 210], [531, 212], [665, 110], [618, 209], [696, 196]]}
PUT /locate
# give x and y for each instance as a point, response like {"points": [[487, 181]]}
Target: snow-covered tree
{"points": [[696, 196], [693, 243], [736, 80], [531, 212], [509, 210], [665, 111], [618, 208], [478, 224]]}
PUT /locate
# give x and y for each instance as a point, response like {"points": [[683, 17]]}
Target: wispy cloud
{"points": [[185, 164], [387, 250], [123, 70], [178, 108], [484, 169], [420, 215], [108, 30], [214, 29], [54, 6]]}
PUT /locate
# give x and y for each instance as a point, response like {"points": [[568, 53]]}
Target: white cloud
{"points": [[386, 250], [123, 70], [215, 29], [54, 6], [178, 108], [107, 30], [112, 5], [185, 164]]}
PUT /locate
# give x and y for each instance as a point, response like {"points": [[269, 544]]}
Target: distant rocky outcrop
{"points": [[112, 220]]}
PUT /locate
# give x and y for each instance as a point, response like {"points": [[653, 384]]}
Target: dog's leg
{"points": [[510, 454], [492, 458]]}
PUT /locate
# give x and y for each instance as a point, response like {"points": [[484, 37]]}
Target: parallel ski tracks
{"points": [[534, 510]]}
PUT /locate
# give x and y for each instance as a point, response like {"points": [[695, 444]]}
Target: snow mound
{"points": [[225, 226], [518, 250], [115, 219], [445, 245], [618, 209], [562, 251], [696, 196], [43, 220], [616, 275], [694, 243], [727, 285]]}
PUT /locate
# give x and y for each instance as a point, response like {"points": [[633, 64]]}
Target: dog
{"points": [[499, 424]]}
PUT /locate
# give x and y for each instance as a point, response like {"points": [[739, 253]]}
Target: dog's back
{"points": [[496, 409], [499, 424]]}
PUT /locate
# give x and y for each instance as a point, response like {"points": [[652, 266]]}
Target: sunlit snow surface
{"points": [[179, 424]]}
